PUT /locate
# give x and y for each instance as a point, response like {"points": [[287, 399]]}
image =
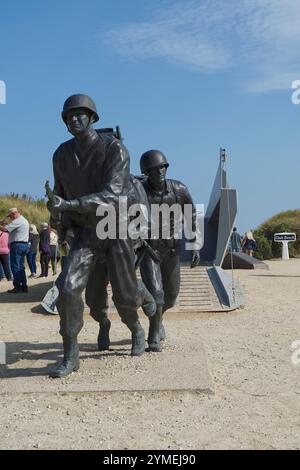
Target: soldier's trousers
{"points": [[162, 280], [118, 266], [96, 293]]}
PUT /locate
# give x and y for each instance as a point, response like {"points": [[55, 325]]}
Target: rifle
{"points": [[49, 193], [111, 131], [146, 248]]}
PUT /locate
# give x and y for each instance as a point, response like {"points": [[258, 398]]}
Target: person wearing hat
{"points": [[18, 231], [44, 248], [33, 246], [90, 170], [54, 250], [164, 285]]}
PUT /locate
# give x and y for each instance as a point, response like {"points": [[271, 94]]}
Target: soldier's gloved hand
{"points": [[195, 259], [61, 205], [50, 208]]}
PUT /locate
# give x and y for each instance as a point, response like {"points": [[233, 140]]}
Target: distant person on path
{"points": [[235, 241], [249, 243], [33, 247], [2, 275], [18, 231], [44, 248], [4, 257], [54, 251]]}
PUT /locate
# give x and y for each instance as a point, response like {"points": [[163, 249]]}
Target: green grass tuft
{"points": [[34, 210]]}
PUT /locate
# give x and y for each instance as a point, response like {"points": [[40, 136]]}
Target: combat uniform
{"points": [[94, 174], [96, 290], [165, 284]]}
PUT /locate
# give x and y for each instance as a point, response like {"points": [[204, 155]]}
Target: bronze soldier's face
{"points": [[157, 176], [78, 121]]}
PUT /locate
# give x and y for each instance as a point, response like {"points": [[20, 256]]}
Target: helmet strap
{"points": [[91, 120]]}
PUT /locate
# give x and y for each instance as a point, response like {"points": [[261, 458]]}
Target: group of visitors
{"points": [[20, 240], [46, 243], [247, 244]]}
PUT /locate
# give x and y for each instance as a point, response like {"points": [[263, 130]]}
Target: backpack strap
{"points": [[174, 191]]}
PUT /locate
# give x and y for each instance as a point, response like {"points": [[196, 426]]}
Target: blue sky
{"points": [[183, 76]]}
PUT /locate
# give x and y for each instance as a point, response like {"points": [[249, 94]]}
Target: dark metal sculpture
{"points": [[163, 279], [96, 295], [89, 170]]}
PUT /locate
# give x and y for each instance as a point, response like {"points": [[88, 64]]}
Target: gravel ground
{"points": [[255, 404]]}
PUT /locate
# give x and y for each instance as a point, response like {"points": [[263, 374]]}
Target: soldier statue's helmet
{"points": [[79, 101], [151, 159]]}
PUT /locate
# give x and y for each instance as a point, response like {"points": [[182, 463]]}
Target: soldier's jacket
{"points": [[96, 175], [175, 192]]}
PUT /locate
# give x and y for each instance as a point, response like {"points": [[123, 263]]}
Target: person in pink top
{"points": [[4, 255]]}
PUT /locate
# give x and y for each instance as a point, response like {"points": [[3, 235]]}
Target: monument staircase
{"points": [[197, 293]]}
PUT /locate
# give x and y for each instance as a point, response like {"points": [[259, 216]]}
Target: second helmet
{"points": [[151, 159]]}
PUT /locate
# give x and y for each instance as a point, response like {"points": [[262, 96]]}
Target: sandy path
{"points": [[257, 388]]}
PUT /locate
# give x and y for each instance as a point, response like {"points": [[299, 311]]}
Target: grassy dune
{"points": [[35, 211], [288, 221]]}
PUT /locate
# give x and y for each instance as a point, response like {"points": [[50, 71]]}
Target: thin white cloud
{"points": [[257, 38], [170, 40]]}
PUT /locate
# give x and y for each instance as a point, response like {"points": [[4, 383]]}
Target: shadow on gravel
{"points": [[274, 275], [49, 352], [21, 351], [35, 293]]}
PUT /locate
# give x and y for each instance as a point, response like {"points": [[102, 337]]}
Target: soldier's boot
{"points": [[70, 362], [137, 337], [148, 302], [154, 331], [103, 336]]}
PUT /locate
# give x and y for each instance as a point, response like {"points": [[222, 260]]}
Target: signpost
{"points": [[285, 238]]}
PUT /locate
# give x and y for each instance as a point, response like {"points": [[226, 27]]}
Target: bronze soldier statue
{"points": [[91, 169], [96, 295], [163, 279]]}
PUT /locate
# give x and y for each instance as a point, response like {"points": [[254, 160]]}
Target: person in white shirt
{"points": [[18, 231], [54, 250]]}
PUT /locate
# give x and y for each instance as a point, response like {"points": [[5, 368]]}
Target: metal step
{"points": [[196, 292]]}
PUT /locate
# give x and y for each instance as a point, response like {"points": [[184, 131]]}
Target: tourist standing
{"points": [[235, 241], [33, 247], [44, 248], [249, 244], [4, 256], [54, 251], [18, 231], [2, 275]]}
